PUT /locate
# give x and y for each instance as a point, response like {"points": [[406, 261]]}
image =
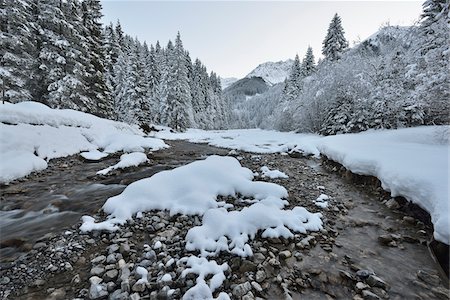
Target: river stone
{"points": [[99, 260], [248, 296], [257, 286], [274, 262], [124, 249], [58, 294], [97, 271], [113, 248], [39, 245], [242, 289], [376, 281], [247, 266], [385, 239], [392, 204], [139, 286], [135, 296], [428, 278], [363, 274], [285, 254], [369, 295], [110, 275], [260, 276], [361, 286]]}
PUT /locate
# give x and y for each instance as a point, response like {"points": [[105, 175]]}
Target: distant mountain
{"points": [[272, 72], [226, 82], [244, 88]]}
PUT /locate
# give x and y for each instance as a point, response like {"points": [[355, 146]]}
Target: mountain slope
{"points": [[272, 72]]}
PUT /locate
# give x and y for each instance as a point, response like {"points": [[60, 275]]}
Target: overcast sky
{"points": [[233, 37]]}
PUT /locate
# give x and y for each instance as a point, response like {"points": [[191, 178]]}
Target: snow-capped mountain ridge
{"points": [[272, 72]]}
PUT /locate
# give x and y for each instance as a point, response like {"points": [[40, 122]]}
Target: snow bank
{"points": [[272, 174], [250, 140], [126, 160], [412, 162], [32, 133]]}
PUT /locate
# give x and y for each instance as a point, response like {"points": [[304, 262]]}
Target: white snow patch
{"points": [[166, 278], [272, 173], [126, 160], [203, 267], [93, 155], [250, 140]]}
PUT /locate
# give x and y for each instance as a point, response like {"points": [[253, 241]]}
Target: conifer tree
{"points": [[308, 64], [293, 82], [334, 43]]}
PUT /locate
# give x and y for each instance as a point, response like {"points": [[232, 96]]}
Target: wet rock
{"points": [[346, 275], [242, 289], [376, 281], [431, 279], [385, 239], [369, 295], [363, 274], [285, 254]]}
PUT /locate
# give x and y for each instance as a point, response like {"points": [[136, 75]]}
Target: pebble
{"points": [[274, 262], [285, 254], [135, 296], [110, 275], [111, 259], [139, 286], [99, 260], [97, 271], [124, 249], [39, 245], [242, 289], [369, 295], [257, 286], [260, 276], [6, 280]]}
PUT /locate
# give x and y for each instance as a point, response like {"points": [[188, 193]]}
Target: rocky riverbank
{"points": [[365, 251]]}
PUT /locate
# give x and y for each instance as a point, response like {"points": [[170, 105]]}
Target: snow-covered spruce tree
{"points": [[293, 82], [433, 76], [334, 43], [16, 49], [308, 64], [95, 70], [177, 107]]}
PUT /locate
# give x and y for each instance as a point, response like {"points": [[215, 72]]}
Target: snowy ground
{"points": [[412, 162], [31, 134]]}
